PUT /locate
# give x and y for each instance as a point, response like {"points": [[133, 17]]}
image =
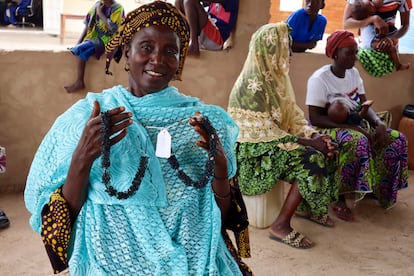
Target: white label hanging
{"points": [[163, 148]]}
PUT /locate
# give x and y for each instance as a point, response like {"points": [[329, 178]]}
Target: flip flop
{"points": [[321, 219], [343, 212], [293, 239]]}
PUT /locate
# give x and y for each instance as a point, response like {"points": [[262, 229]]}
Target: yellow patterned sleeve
{"points": [[56, 230]]}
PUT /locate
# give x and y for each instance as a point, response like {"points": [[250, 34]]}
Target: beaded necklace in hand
{"points": [[172, 160], [105, 151]]}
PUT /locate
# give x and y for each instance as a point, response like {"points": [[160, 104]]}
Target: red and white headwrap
{"points": [[339, 39]]}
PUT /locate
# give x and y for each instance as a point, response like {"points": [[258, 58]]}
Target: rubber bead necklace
{"points": [[143, 163]]}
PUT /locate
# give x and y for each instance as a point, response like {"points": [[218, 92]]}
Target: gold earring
{"points": [[126, 68]]}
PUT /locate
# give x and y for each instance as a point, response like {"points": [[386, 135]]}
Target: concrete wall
{"points": [[32, 94]]}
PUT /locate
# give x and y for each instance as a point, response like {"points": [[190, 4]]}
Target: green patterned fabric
{"points": [[262, 164], [376, 63], [262, 103]]}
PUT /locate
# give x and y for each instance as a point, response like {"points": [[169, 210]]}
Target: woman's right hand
{"points": [[89, 149], [90, 143]]}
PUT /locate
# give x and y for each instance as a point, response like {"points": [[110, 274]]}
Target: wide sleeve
{"points": [[51, 162]]}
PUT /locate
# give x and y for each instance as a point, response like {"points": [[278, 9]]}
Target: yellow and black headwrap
{"points": [[155, 13]]}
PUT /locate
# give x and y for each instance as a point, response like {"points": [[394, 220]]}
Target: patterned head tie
{"points": [[155, 13]]}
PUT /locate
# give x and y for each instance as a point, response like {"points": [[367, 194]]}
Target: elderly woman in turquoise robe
{"points": [[275, 141], [135, 180]]}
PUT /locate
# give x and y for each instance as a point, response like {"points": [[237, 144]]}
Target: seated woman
{"points": [[108, 198], [379, 25], [275, 141], [374, 163]]}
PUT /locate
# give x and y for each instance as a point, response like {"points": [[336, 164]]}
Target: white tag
{"points": [[163, 149]]}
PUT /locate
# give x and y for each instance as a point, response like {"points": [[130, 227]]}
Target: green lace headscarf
{"points": [[262, 101]]}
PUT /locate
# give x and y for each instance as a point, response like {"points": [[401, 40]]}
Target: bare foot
{"points": [[76, 86], [402, 67], [193, 50], [290, 237]]}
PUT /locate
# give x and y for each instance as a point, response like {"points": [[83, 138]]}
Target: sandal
{"points": [[293, 239], [4, 221], [343, 212], [323, 220]]}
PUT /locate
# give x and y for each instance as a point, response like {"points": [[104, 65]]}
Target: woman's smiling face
{"points": [[153, 59]]}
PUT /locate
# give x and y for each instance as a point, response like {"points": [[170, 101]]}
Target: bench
{"points": [[63, 17]]}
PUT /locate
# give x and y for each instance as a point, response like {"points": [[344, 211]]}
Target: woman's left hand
{"points": [[220, 157]]}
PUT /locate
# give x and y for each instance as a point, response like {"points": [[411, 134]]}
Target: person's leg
{"points": [[83, 51], [6, 17], [79, 83], [197, 18], [393, 53], [12, 18], [391, 50], [353, 167], [390, 165], [281, 227]]}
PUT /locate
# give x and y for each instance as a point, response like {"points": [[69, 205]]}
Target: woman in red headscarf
{"points": [[373, 162]]}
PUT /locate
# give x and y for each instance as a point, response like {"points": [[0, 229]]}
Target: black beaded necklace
{"points": [[209, 167], [106, 176], [172, 160]]}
